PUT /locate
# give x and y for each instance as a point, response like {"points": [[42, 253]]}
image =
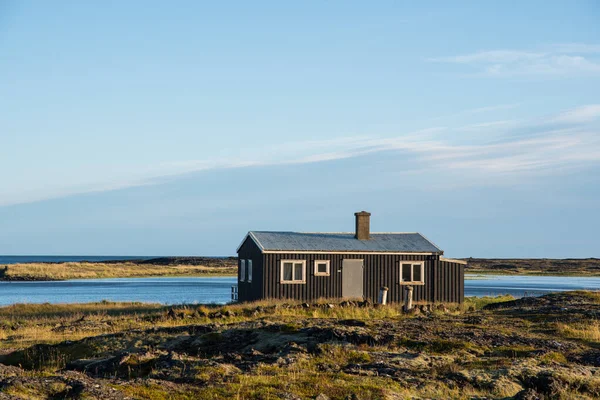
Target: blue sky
{"points": [[152, 128]]}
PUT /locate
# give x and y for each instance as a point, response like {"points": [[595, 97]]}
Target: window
{"points": [[293, 271], [321, 267], [249, 270], [242, 270], [412, 273]]}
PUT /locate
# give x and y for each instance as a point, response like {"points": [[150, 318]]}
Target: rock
{"points": [[171, 314], [442, 308], [352, 322], [290, 396], [229, 313], [322, 396], [527, 394], [546, 383], [305, 305]]}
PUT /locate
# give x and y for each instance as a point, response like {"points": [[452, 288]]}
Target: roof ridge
{"points": [[434, 245], [348, 233]]}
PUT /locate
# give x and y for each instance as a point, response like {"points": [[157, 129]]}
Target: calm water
{"points": [[152, 290], [218, 290], [519, 286]]}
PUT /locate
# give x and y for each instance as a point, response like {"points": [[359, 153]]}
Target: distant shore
{"points": [[534, 266], [227, 266], [159, 267]]}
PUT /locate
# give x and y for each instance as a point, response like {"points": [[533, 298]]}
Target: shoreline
{"points": [[30, 279], [32, 272], [227, 266]]}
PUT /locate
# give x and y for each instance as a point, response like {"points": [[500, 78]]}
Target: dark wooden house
{"points": [[309, 266]]}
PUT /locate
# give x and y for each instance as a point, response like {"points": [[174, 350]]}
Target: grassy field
{"points": [[83, 270], [493, 348], [185, 266]]}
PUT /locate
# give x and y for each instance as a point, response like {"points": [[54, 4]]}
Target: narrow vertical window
{"points": [[417, 273], [249, 270], [242, 270], [406, 272], [287, 271]]}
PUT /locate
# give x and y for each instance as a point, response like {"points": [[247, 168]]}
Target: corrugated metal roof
{"points": [[379, 242]]}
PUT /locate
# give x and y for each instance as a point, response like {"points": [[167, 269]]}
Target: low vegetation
{"points": [[86, 270], [534, 266], [494, 348]]}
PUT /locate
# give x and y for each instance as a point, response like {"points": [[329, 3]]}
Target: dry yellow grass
{"points": [[582, 330], [83, 270], [22, 325]]}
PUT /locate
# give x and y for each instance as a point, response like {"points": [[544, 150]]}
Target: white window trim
{"points": [[249, 270], [292, 281], [326, 262], [242, 270], [413, 263]]}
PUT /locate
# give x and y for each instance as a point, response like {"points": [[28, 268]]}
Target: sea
{"points": [[179, 290]]}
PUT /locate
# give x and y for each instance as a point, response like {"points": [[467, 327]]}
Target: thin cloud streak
{"points": [[553, 148], [580, 114], [561, 59]]}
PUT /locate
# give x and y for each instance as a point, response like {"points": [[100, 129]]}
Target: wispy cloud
{"points": [[581, 48], [560, 59], [555, 146], [580, 115], [568, 140]]}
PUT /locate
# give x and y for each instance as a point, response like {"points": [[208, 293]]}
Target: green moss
{"points": [[359, 357], [553, 357]]}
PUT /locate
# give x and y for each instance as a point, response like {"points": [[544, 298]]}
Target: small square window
{"points": [[322, 268]]}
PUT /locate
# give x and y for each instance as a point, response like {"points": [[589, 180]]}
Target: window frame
{"points": [[293, 281], [242, 270], [248, 271], [412, 265], [327, 272]]}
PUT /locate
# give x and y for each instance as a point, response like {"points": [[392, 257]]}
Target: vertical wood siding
{"points": [[444, 280], [451, 282], [249, 291]]}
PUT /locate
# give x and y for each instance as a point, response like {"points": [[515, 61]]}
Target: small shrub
{"points": [[359, 357], [553, 357]]}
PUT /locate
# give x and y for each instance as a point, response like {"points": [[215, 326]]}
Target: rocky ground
{"points": [[531, 348]]}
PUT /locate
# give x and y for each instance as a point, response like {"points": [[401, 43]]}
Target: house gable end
{"points": [[249, 244]]}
